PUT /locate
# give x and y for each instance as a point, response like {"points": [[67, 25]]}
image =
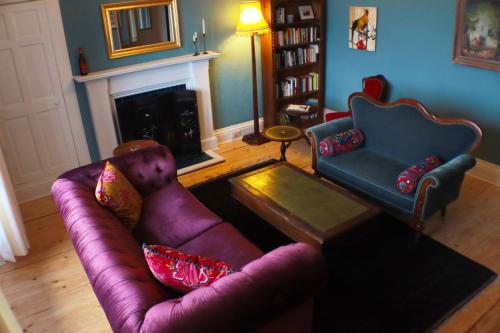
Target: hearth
{"points": [[167, 115]]}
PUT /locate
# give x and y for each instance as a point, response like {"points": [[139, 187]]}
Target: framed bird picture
{"points": [[363, 28], [477, 34]]}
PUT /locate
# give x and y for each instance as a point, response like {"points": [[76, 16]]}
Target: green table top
{"points": [[284, 133], [314, 202]]}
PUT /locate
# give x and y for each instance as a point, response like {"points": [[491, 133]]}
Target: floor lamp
{"points": [[252, 23]]}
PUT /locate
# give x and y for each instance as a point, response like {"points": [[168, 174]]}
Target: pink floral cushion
{"points": [[342, 142], [183, 272], [115, 192], [409, 178]]}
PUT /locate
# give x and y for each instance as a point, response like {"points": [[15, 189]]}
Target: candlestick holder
{"points": [[196, 53], [205, 44]]}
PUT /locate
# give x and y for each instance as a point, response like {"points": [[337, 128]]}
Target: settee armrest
{"points": [[450, 170], [442, 185], [319, 132], [263, 289]]}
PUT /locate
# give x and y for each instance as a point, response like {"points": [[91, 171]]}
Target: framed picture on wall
{"points": [[477, 34], [363, 28], [306, 12]]}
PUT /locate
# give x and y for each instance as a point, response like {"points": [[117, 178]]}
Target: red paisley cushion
{"points": [[183, 272]]}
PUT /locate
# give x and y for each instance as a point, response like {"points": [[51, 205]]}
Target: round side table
{"points": [[285, 134], [132, 146]]}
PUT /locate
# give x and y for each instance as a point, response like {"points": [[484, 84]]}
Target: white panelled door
{"points": [[35, 133]]}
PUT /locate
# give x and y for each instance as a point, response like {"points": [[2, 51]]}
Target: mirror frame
{"points": [[130, 51]]}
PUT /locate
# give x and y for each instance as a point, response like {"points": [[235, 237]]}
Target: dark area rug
{"points": [[380, 279]]}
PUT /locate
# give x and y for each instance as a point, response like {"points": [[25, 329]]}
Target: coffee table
{"points": [[300, 205]]}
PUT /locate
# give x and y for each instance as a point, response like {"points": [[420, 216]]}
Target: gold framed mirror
{"points": [[141, 26]]}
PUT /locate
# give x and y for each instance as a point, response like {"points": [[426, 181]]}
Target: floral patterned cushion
{"points": [[408, 179], [183, 272], [115, 192], [342, 142]]}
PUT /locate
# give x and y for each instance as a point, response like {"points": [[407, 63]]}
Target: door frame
{"points": [[58, 37]]}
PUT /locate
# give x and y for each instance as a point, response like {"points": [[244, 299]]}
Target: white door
{"points": [[35, 133]]}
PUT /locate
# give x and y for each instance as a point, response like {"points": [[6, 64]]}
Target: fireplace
{"points": [[185, 78], [169, 116]]}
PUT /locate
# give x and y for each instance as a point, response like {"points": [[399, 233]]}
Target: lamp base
{"points": [[255, 139]]}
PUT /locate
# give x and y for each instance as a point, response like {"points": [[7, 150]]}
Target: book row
{"points": [[293, 86], [292, 36], [299, 56]]}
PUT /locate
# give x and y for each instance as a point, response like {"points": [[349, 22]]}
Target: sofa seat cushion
{"points": [[172, 216], [226, 243], [369, 172]]}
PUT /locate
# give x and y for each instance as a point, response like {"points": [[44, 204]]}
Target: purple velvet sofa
{"points": [[271, 293]]}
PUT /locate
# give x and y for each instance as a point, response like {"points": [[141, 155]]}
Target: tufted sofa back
{"points": [[404, 129], [148, 170]]}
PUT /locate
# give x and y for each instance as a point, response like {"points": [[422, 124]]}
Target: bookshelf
{"points": [[293, 62]]}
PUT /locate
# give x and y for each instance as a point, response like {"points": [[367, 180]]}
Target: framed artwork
{"points": [[477, 34], [306, 12], [363, 28]]}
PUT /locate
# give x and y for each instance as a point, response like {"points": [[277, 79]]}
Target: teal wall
{"points": [[414, 50], [230, 74]]}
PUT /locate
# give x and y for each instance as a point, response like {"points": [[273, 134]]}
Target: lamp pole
{"points": [[254, 83], [255, 138]]}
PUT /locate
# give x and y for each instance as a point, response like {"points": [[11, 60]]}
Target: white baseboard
{"points": [[236, 131], [486, 171]]}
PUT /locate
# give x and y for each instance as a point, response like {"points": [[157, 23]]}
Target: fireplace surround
{"points": [[105, 87]]}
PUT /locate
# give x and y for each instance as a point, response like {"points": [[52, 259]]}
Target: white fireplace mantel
{"points": [[105, 86]]}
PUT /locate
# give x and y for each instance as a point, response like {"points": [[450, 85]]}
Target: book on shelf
{"points": [[309, 116], [312, 102], [293, 86], [283, 118], [297, 57], [298, 108], [293, 36]]}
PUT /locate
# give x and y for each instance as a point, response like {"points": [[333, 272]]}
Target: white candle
{"points": [[203, 24]]}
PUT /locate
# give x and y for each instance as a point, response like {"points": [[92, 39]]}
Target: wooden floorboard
{"points": [[49, 291]]}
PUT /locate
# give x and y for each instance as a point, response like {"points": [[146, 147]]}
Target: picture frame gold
{"points": [[468, 49], [110, 21]]}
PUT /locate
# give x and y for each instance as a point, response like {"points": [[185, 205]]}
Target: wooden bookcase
{"points": [[274, 71]]}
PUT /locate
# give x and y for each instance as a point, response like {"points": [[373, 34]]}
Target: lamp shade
{"points": [[251, 19]]}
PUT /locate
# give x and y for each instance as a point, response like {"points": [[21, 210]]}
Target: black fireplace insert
{"points": [[168, 116]]}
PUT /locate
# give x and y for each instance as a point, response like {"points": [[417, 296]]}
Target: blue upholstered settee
{"points": [[398, 135]]}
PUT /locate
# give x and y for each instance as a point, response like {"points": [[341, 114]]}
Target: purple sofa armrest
{"points": [[111, 257], [263, 289]]}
